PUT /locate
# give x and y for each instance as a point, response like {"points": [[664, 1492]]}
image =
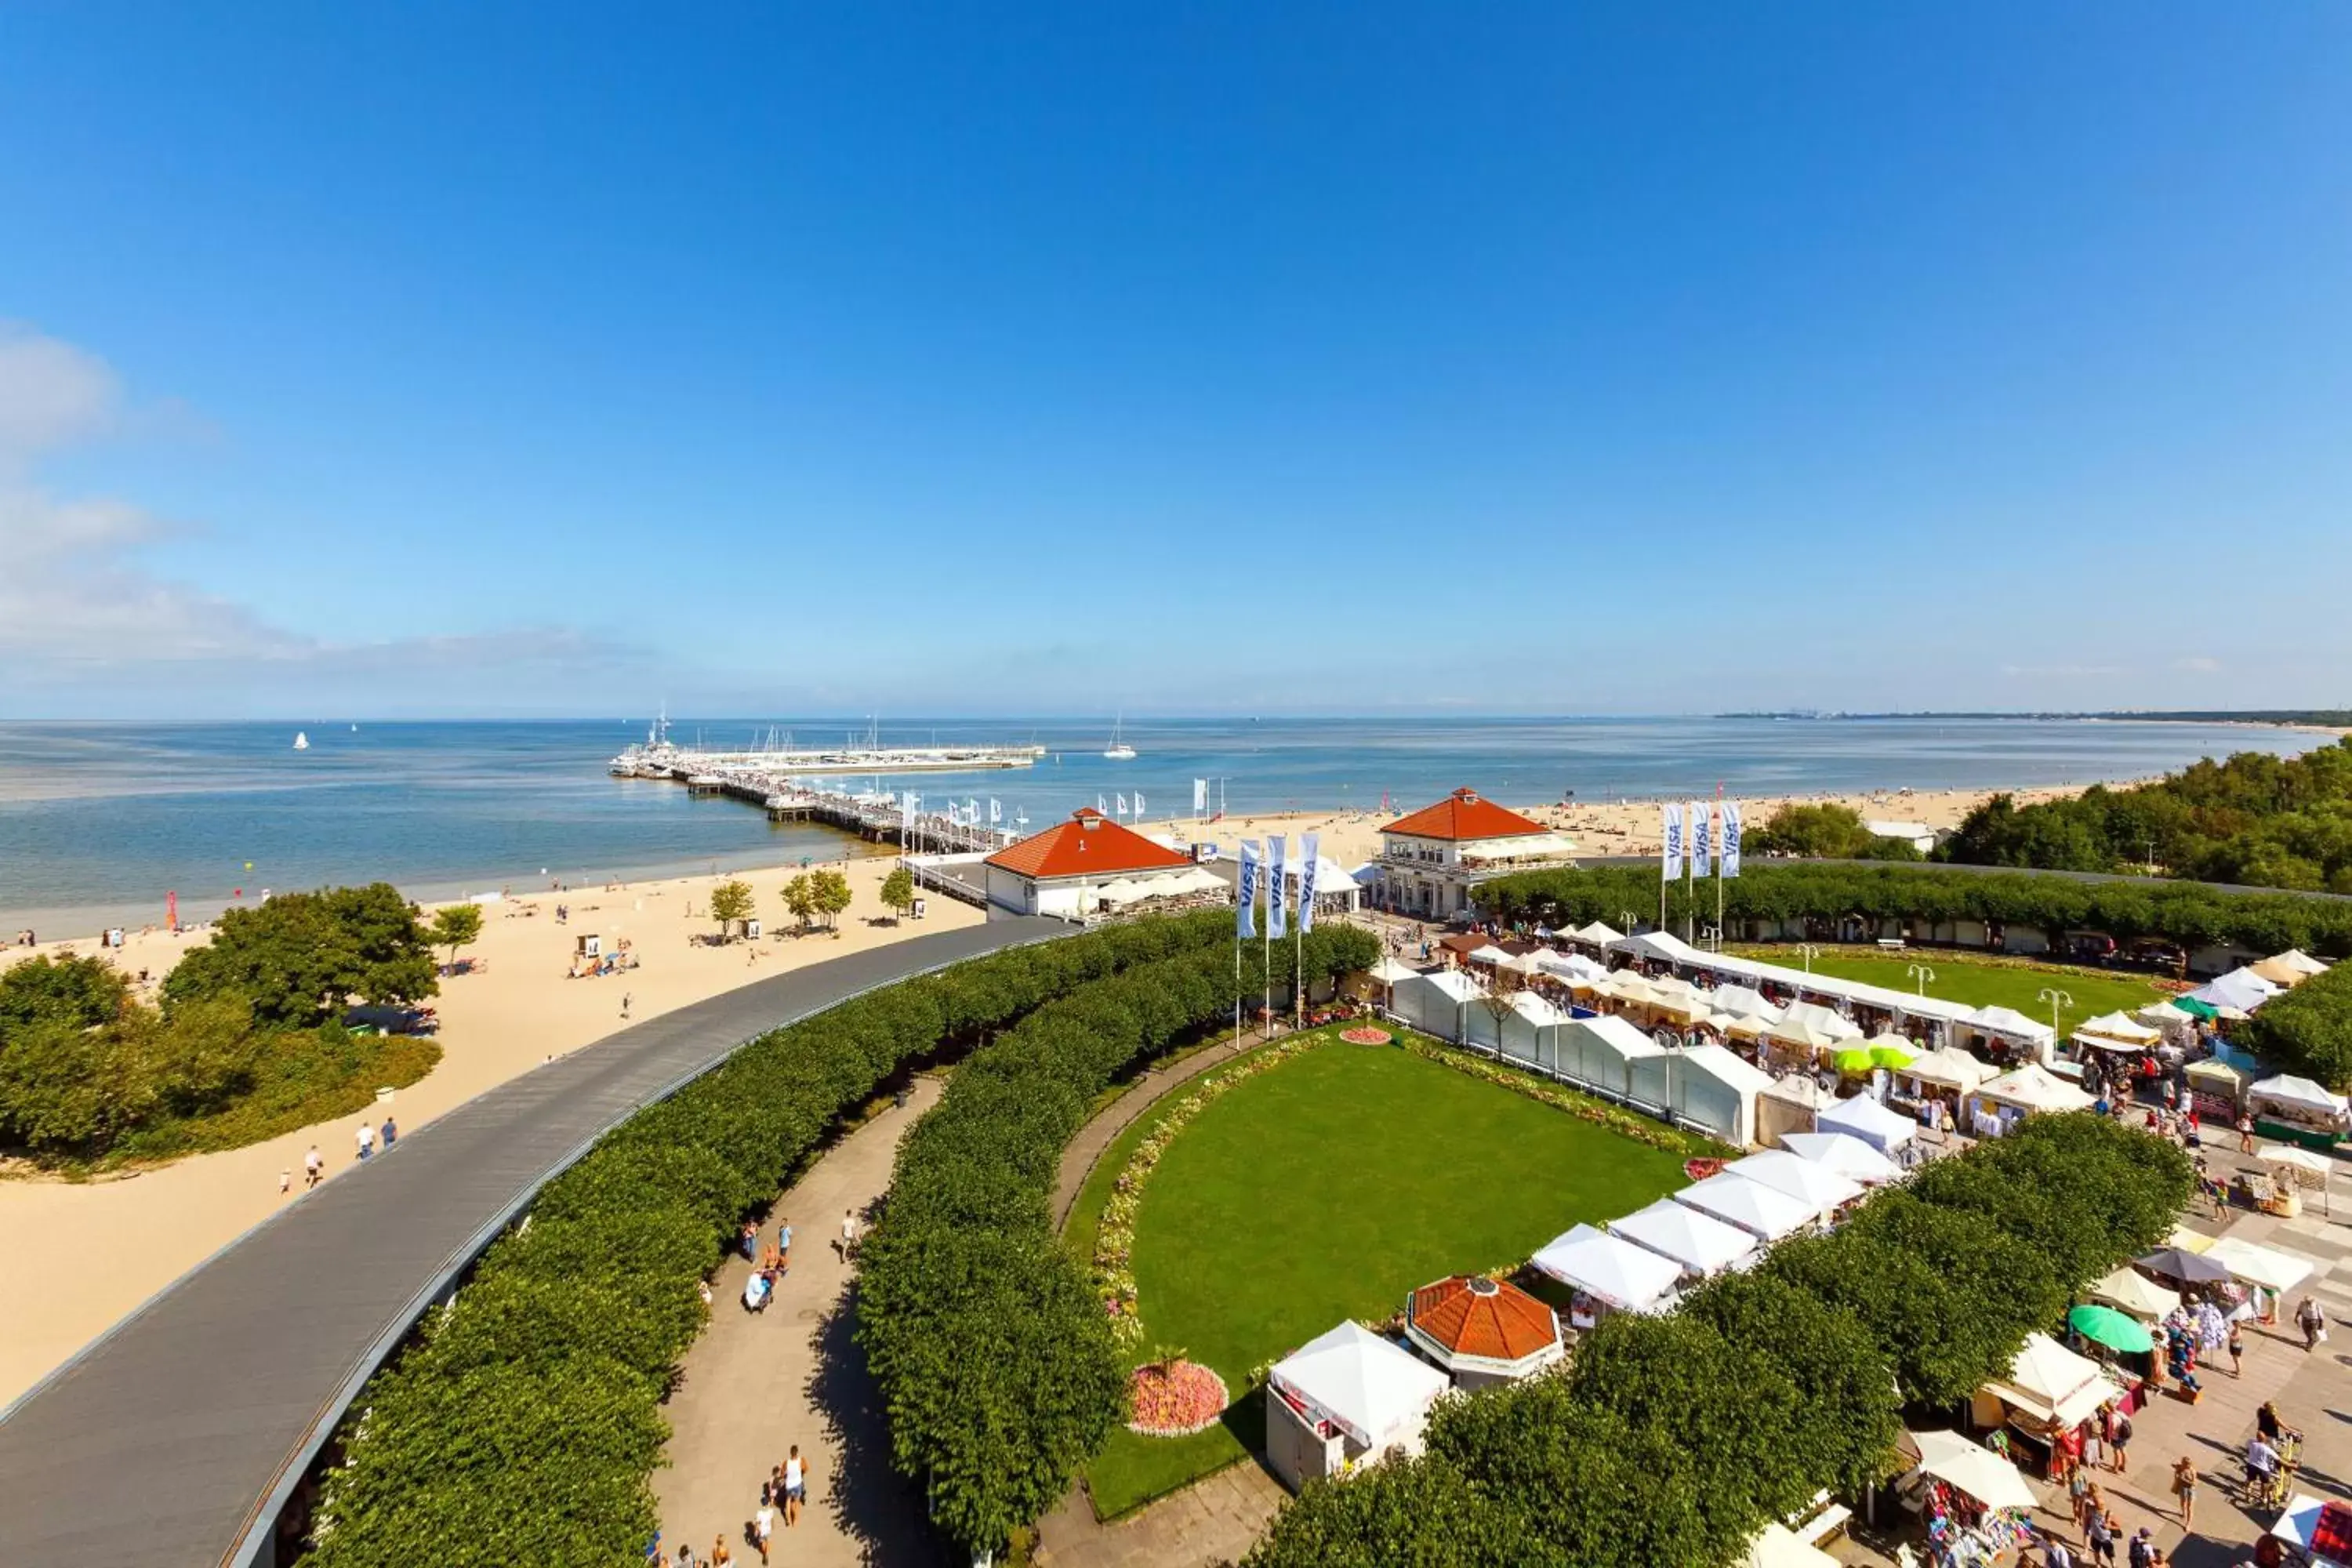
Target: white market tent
{"points": [[1597, 935], [1817, 1186], [2035, 1088], [2010, 1024], [1368, 1388], [1901, 1047], [1777, 1546], [1616, 1273], [1437, 1004], [2299, 1094], [2311, 1168], [1744, 1001], [1529, 1029], [1717, 1088], [1489, 954], [2129, 1290], [2302, 963], [1388, 971], [1822, 1020], [2116, 1032], [1847, 1155], [2051, 1383], [1977, 1471], [1609, 1054], [2240, 990], [2164, 1015], [1863, 1118], [1950, 1067], [2262, 1266], [1761, 1211], [1803, 1036], [1701, 1243]]}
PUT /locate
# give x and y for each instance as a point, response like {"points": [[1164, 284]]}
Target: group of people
{"points": [[784, 1494], [773, 1262], [369, 1139]]}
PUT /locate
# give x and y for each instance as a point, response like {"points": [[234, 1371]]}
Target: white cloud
{"points": [[51, 394], [2060, 671], [2198, 664]]}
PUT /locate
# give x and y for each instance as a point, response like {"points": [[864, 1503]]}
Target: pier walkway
{"points": [[176, 1439]]}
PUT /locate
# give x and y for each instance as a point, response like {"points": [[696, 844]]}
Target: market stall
{"points": [[2048, 1395], [1346, 1399], [1609, 1055], [2216, 1092], [2298, 1171], [1765, 1213], [2318, 1530], [1715, 1090], [1701, 1245], [1437, 1004], [1791, 1105], [1970, 1500], [1607, 1274], [2031, 1090], [2297, 1111], [2128, 1291], [1847, 1155], [1531, 1029], [2009, 1036], [1482, 1331], [1818, 1186], [1863, 1118]]}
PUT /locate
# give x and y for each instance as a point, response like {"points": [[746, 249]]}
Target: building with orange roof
{"points": [[1088, 866], [1432, 858], [1482, 1331]]}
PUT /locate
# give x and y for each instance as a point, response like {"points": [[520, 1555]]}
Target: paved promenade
{"points": [[171, 1440]]}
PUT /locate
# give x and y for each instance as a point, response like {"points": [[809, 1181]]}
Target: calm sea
{"points": [[103, 819]]}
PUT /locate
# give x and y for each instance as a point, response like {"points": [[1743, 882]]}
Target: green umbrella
{"points": [[2205, 1010], [2105, 1326], [1853, 1061], [1893, 1057]]}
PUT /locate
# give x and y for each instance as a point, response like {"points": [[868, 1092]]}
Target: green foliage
{"points": [[524, 1425], [899, 891], [1675, 1440], [2307, 1031], [301, 958], [994, 1354], [2256, 819], [731, 905], [77, 992], [1799, 898], [453, 926], [800, 898], [829, 893], [1825, 832]]}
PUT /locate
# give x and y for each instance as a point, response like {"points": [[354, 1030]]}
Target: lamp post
{"points": [[1629, 918], [1810, 952], [1920, 972], [1713, 937], [2057, 999]]}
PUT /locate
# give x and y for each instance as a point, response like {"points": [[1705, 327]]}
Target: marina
{"points": [[658, 757]]}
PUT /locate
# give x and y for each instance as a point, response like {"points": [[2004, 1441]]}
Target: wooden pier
{"points": [[788, 798]]}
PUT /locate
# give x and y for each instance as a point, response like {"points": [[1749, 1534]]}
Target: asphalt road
{"points": [[174, 1439]]}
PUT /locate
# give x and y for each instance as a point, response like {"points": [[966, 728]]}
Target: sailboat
{"points": [[1119, 751], [302, 742]]}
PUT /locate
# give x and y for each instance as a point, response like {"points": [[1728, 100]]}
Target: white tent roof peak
{"points": [[1359, 1381], [1729, 1067], [1597, 932], [1866, 1118], [1698, 1241], [1618, 1272], [2036, 1087], [1627, 1040], [2010, 1021], [1848, 1156], [1755, 1208], [1817, 1185]]}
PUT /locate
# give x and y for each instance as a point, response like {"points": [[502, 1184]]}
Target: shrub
{"points": [[2308, 1031]]}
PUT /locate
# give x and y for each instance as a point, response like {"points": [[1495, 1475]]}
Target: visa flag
{"points": [[1200, 795], [1245, 894], [1274, 870], [1700, 849], [1122, 804], [1731, 838], [1139, 805], [995, 810], [1671, 839], [1310, 847]]}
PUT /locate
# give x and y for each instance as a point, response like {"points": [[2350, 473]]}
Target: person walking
{"points": [[624, 1006], [784, 1246], [284, 1181], [366, 1136], [311, 1165], [848, 1234], [2184, 1489], [2236, 1347], [2119, 1438], [2079, 1492], [390, 1133], [764, 1525], [2313, 1322], [796, 1488], [2245, 1133], [2099, 1535]]}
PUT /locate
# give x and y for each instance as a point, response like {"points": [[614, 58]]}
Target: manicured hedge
{"points": [[993, 1354], [1675, 1440], [1784, 892], [2308, 1031], [525, 1423]]}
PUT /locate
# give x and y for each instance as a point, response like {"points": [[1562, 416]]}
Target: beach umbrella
{"points": [[1853, 1061], [2177, 1263], [2105, 1326]]}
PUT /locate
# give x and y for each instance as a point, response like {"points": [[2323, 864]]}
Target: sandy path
{"points": [[98, 1250]]}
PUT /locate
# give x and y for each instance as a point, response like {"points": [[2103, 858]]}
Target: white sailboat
{"points": [[302, 742], [1119, 751]]}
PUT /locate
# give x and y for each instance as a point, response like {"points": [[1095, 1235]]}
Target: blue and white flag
{"points": [[1102, 806], [1731, 838], [1139, 805], [1310, 847], [1199, 796], [1700, 849], [1122, 804], [995, 811], [1246, 892], [1671, 842], [971, 811], [1275, 872]]}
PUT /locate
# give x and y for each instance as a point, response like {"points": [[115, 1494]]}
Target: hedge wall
{"points": [[2308, 1030], [524, 1424], [1675, 1440], [994, 1354], [2188, 913]]}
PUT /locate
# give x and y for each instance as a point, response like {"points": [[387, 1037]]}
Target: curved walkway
{"points": [[175, 1438], [1147, 1089]]}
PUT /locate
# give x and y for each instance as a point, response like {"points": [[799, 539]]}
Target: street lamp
{"points": [[1920, 972], [2057, 999], [1629, 920], [1713, 937], [1810, 952]]}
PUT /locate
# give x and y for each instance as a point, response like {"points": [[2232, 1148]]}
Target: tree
{"points": [[731, 903], [300, 958], [77, 993], [455, 926], [1824, 832], [899, 891], [829, 890], [800, 897]]}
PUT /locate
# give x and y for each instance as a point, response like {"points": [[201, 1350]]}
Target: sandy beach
{"points": [[520, 1009]]}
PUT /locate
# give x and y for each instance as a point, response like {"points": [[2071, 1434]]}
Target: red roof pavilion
{"points": [[1088, 845], [1473, 1323], [1464, 815]]}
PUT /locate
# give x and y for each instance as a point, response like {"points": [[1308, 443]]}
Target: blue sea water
{"points": [[107, 817]]}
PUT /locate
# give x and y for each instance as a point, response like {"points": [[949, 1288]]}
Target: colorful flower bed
{"points": [[1176, 1399], [1366, 1036], [1114, 1232], [1700, 1170], [1625, 1123]]}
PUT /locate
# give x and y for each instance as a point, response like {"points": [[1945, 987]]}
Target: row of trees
{"points": [[810, 897], [2255, 819], [994, 1355], [85, 1065], [2308, 1031], [524, 1424], [1827, 831], [1676, 1439], [1770, 898]]}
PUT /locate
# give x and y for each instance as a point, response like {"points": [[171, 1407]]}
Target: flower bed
{"points": [[1700, 1170], [1176, 1399], [1366, 1036]]}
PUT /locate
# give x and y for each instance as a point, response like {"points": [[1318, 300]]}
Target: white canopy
{"points": [[1700, 1243], [1120, 890], [1729, 1067], [1799, 1088], [1900, 1046], [2300, 1093], [2128, 1291], [1746, 1002], [1979, 1472], [1824, 1020], [1797, 1031], [1598, 934], [1360, 1383], [1622, 1036], [1530, 962], [1658, 944], [2318, 1164], [2163, 1013], [2051, 1383], [1817, 1188], [2294, 958], [1618, 1273], [2240, 990], [2035, 1088], [1388, 971], [2261, 1265], [2010, 1022], [2110, 1031], [1777, 1546], [1489, 954], [1537, 1010], [1759, 1210], [1949, 1067], [1863, 1118], [1847, 1155]]}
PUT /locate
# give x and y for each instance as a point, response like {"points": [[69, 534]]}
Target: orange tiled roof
{"points": [[1088, 845], [1462, 814], [1489, 1318]]}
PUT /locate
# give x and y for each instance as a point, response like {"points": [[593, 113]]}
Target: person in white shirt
{"points": [[763, 1524], [366, 1140], [311, 1165]]}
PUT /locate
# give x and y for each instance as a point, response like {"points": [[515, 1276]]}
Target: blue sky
{"points": [[455, 360]]}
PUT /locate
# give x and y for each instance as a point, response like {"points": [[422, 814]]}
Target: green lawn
{"points": [[1329, 1189], [1983, 983]]}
